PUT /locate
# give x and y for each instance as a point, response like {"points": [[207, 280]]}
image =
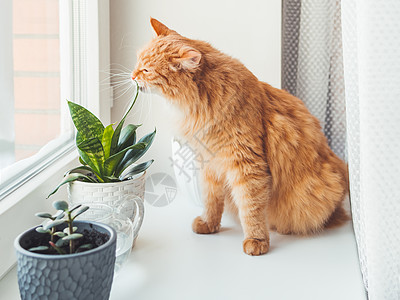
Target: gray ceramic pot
{"points": [[86, 275]]}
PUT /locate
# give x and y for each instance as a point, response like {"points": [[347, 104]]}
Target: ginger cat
{"points": [[266, 154]]}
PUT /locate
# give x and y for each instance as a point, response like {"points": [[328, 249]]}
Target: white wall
{"points": [[248, 30]]}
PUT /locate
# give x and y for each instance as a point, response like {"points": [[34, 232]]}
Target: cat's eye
{"points": [[145, 71]]}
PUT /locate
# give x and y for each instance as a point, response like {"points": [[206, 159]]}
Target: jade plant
{"points": [[61, 242], [106, 154]]}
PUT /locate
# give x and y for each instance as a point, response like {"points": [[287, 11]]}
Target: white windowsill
{"points": [[169, 261]]}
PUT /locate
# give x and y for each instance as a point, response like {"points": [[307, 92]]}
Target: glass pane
{"points": [[36, 75], [29, 87]]}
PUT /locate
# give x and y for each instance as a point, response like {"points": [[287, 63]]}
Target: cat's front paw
{"points": [[202, 227], [255, 246]]}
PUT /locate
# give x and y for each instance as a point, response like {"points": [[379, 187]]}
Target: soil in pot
{"points": [[92, 236]]}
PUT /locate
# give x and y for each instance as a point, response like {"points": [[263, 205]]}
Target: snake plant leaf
{"points": [[86, 169], [70, 178], [52, 224], [44, 215], [112, 162], [60, 205], [85, 158], [41, 230], [112, 179], [93, 150], [106, 140], [127, 137], [92, 145], [73, 236], [132, 156], [133, 170], [38, 248], [117, 132], [82, 161], [87, 124]]}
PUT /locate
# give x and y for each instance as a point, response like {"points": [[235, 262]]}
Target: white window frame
{"points": [[84, 74]]}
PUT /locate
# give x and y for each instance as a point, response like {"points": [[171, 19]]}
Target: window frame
{"points": [[84, 75]]}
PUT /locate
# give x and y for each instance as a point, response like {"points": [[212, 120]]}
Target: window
{"points": [[35, 130], [46, 61], [56, 50]]}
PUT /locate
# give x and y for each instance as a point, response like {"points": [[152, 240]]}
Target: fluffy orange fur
{"points": [[267, 156]]}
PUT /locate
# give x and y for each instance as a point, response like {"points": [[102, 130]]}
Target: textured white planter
{"points": [[125, 196]]}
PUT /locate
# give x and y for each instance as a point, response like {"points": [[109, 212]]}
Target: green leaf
{"points": [[94, 168], [132, 156], [87, 124], [75, 207], [112, 162], [44, 215], [60, 214], [66, 229], [94, 151], [61, 242], [115, 138], [106, 140], [80, 211], [74, 236], [60, 205], [127, 137], [41, 230], [84, 157], [111, 179], [85, 169], [70, 178], [52, 224], [130, 171], [39, 248], [60, 234], [83, 162]]}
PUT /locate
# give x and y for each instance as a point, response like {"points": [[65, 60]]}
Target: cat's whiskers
{"points": [[127, 90], [119, 79]]}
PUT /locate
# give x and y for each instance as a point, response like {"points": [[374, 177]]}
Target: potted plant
{"points": [[108, 173], [64, 258]]}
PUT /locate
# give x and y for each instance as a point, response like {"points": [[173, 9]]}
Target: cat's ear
{"points": [[160, 28], [189, 58]]}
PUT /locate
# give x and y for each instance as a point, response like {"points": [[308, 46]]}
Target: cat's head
{"points": [[168, 63]]}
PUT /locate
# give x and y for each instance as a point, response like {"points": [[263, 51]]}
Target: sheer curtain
{"points": [[343, 59]]}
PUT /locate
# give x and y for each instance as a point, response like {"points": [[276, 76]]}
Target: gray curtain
{"points": [[312, 63], [342, 59]]}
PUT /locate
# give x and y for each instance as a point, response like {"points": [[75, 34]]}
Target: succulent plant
{"points": [[107, 155], [61, 242]]}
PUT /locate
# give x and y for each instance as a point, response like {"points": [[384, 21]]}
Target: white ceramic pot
{"points": [[125, 196]]}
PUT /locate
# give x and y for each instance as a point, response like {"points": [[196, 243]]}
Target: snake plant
{"points": [[106, 155]]}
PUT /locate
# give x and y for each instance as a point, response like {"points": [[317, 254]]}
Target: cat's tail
{"points": [[339, 217]]}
